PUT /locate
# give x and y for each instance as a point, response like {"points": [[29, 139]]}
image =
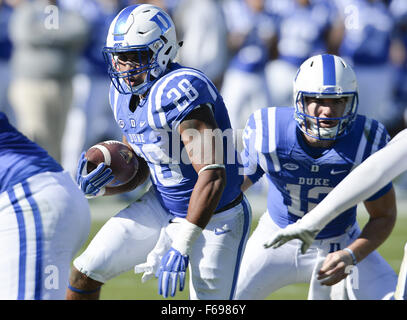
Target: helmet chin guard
{"points": [[325, 76], [148, 34]]}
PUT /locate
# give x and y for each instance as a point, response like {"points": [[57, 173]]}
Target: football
{"points": [[117, 156]]}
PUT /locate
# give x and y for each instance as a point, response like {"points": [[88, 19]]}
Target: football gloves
{"points": [[293, 231], [173, 268], [167, 264], [93, 183]]}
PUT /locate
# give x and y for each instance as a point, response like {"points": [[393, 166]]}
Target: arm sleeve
{"points": [[373, 174]]}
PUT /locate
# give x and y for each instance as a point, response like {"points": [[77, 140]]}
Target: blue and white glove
{"points": [[92, 184], [174, 263], [173, 267], [298, 230]]}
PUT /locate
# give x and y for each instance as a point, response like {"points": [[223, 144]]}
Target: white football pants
{"points": [[263, 271], [44, 221], [127, 238]]}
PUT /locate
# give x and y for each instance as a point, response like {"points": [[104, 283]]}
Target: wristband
{"points": [[352, 255], [186, 236], [211, 166]]}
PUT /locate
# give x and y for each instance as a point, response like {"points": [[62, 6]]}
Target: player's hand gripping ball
{"points": [[118, 157], [110, 167]]}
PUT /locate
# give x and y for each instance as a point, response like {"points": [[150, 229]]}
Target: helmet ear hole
{"points": [[164, 39], [166, 53]]}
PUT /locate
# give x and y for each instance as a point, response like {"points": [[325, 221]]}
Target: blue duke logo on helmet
{"points": [[325, 76], [145, 33], [158, 18]]}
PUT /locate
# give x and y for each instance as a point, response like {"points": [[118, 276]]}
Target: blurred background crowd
{"points": [[54, 84]]}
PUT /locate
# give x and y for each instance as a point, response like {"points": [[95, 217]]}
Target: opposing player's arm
{"points": [[205, 152]]}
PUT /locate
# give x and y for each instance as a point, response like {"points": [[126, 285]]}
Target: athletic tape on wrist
{"points": [[211, 166], [187, 234], [352, 254]]}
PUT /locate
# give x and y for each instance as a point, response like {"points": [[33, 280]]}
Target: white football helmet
{"points": [[325, 76], [147, 32]]}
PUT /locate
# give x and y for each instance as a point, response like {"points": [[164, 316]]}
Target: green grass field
{"points": [[128, 286]]}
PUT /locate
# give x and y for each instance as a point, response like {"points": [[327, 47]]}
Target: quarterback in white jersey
{"points": [[165, 112], [305, 152]]}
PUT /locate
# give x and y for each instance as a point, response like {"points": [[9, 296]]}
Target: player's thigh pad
{"points": [[217, 253], [43, 222], [125, 240]]}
